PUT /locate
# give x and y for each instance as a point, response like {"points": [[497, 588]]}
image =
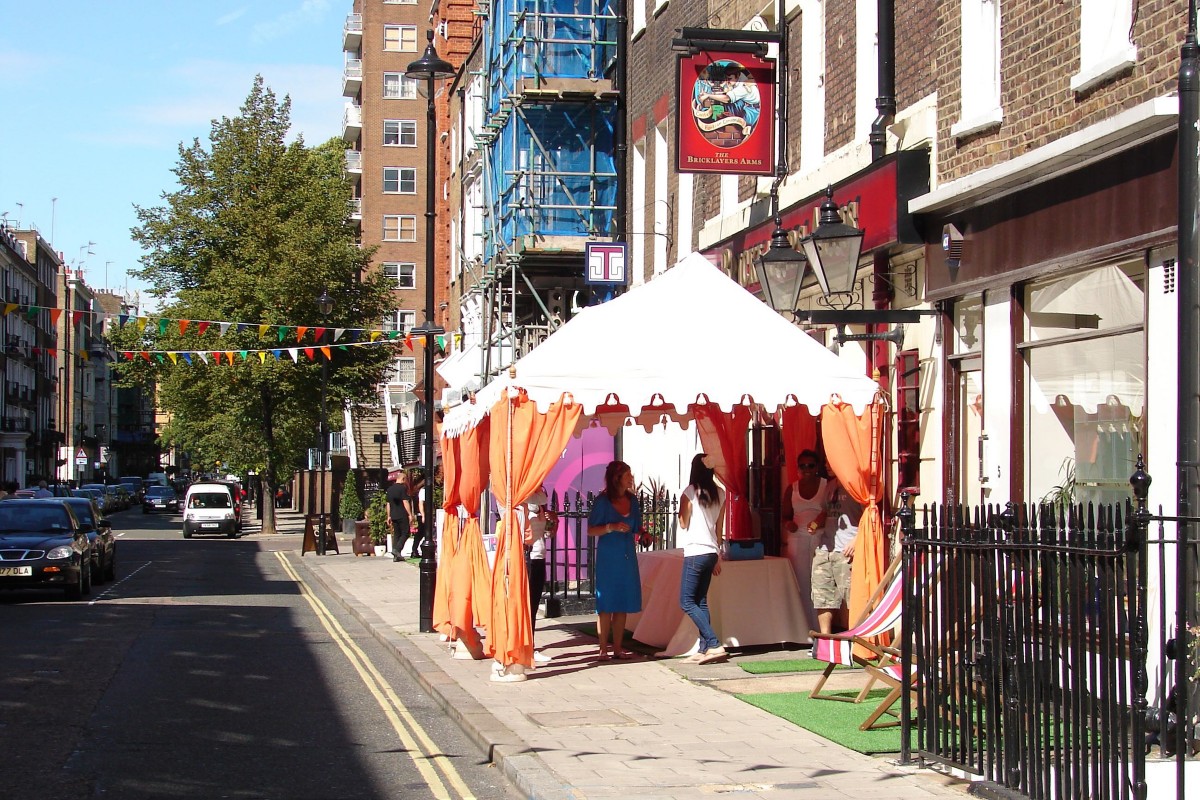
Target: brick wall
{"points": [[1039, 54]]}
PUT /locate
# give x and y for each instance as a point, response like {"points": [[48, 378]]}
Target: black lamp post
{"points": [[380, 439], [431, 69], [324, 306]]}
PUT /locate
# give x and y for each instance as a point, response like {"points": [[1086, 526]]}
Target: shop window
{"points": [[1085, 385]]}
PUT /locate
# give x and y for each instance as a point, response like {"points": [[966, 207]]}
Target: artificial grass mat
{"points": [[835, 721], [784, 665]]}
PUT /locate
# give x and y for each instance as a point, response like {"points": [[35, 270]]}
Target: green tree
{"points": [[256, 231]]}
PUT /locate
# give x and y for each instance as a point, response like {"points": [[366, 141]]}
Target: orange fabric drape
{"points": [[525, 446], [449, 543], [470, 575], [853, 447], [724, 439], [799, 433]]}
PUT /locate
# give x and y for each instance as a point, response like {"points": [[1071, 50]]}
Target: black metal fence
{"points": [[1026, 632], [570, 554]]}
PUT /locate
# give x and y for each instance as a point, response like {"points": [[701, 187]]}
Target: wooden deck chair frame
{"points": [[889, 674], [877, 618]]}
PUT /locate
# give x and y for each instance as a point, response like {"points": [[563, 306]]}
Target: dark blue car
{"points": [[43, 546]]}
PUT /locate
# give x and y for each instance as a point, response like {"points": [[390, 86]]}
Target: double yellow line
{"points": [[421, 749]]}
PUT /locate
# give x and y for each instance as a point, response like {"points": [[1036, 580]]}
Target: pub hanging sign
{"points": [[726, 103]]}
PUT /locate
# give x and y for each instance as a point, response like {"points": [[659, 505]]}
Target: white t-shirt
{"points": [[539, 526], [700, 537]]}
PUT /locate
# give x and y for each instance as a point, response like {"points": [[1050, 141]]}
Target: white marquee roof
{"points": [[689, 334]]}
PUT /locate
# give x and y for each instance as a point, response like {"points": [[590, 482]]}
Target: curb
{"points": [[522, 768]]}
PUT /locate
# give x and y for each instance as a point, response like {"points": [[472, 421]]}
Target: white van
{"points": [[210, 508]]}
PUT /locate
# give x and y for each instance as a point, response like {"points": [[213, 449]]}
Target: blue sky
{"points": [[98, 95]]}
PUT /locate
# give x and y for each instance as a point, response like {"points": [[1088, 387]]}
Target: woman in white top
{"points": [[804, 522], [701, 512], [540, 523]]}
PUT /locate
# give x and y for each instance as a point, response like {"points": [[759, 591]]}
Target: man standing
{"points": [[43, 491], [399, 513]]}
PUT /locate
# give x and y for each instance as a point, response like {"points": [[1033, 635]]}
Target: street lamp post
{"points": [[429, 69], [380, 439], [324, 306]]}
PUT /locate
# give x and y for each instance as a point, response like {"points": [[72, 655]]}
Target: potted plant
{"points": [[378, 523], [350, 508]]}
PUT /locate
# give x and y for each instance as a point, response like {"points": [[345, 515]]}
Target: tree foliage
{"points": [[256, 230]]}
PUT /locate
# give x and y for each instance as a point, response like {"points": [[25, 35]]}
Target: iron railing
{"points": [[570, 554], [1027, 632]]}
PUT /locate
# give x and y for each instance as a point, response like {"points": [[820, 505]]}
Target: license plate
{"points": [[16, 572], [209, 525]]}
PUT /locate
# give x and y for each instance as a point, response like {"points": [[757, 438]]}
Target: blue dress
{"points": [[618, 582]]}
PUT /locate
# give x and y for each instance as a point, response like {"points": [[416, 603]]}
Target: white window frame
{"points": [[405, 180], [979, 92], [639, 16], [1105, 48], [404, 228], [399, 2], [398, 270], [402, 366], [405, 132], [399, 38], [406, 87], [402, 320], [662, 200], [637, 214], [812, 86]]}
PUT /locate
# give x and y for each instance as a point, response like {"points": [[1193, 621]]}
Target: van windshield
{"points": [[213, 500]]}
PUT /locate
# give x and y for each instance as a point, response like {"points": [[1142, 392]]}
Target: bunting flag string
{"points": [[198, 327], [227, 357]]}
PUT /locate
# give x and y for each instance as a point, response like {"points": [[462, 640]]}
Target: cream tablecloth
{"points": [[751, 602]]}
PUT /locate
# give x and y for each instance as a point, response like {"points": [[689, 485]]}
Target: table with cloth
{"points": [[751, 603]]}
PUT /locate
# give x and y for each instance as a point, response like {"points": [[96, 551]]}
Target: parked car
{"points": [[107, 501], [136, 491], [42, 545], [160, 498], [210, 508], [100, 536], [124, 497]]}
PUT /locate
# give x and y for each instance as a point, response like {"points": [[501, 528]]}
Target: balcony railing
{"points": [[352, 32], [352, 123], [352, 77], [353, 161], [356, 209]]}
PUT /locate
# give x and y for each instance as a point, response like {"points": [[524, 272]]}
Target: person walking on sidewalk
{"points": [[701, 531], [541, 521], [615, 519], [399, 514]]}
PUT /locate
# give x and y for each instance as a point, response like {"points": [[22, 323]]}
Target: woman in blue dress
{"points": [[615, 520]]}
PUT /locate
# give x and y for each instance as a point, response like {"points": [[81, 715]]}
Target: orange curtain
{"points": [[449, 543], [724, 439], [526, 444], [853, 447], [799, 434], [470, 577]]}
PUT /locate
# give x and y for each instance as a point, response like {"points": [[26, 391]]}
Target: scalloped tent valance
{"points": [[690, 336]]}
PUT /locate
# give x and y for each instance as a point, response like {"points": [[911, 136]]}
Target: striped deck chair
{"points": [[890, 673], [882, 615]]}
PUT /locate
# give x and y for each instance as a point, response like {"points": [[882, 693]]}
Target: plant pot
{"points": [[381, 549]]}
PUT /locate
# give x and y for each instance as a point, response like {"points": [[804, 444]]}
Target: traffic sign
{"points": [[81, 453]]}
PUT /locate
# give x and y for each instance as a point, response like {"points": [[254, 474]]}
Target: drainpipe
{"points": [[1188, 388], [885, 103], [620, 134]]}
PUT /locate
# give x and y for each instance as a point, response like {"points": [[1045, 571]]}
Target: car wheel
{"points": [[110, 574], [75, 591], [87, 581], [187, 534], [97, 574]]}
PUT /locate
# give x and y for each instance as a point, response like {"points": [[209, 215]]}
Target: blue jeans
{"points": [[693, 596]]}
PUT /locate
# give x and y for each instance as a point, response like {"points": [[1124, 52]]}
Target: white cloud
{"points": [[309, 11], [230, 17]]}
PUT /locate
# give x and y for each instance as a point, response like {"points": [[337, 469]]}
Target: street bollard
{"points": [[428, 569]]}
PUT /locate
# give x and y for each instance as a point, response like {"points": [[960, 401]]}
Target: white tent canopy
{"points": [[688, 336]]}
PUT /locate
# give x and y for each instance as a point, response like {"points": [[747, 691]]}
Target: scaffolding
{"points": [[549, 179]]}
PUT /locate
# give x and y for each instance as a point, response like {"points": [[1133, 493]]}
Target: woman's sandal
{"points": [[623, 655], [603, 654]]}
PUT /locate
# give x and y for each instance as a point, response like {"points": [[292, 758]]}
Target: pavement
{"points": [[581, 729]]}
